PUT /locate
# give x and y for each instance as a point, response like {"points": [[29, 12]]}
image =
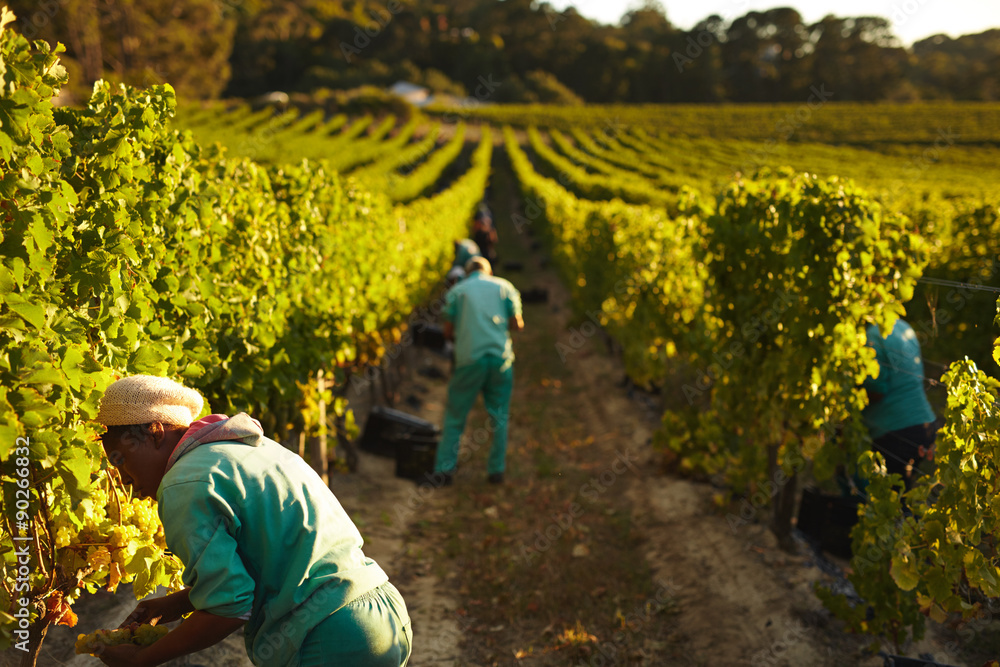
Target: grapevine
{"points": [[133, 249]]}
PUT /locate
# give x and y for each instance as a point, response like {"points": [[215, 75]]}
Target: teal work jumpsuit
{"points": [[480, 308], [262, 538]]}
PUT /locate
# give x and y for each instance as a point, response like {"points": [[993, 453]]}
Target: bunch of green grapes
{"points": [[101, 537], [140, 635]]}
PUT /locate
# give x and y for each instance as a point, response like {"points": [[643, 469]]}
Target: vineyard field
{"points": [[711, 271]]}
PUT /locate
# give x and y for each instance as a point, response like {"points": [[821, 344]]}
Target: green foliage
{"points": [[373, 148], [797, 267], [142, 43], [63, 300], [249, 47], [954, 322], [608, 185], [449, 211], [783, 271], [884, 567], [634, 269], [418, 181], [942, 560], [379, 173], [127, 248], [402, 169], [952, 538], [841, 123], [621, 159]]}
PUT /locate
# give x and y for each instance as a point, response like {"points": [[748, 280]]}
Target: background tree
{"points": [[187, 43], [243, 48]]}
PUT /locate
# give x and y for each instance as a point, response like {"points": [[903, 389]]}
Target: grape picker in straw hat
{"points": [[264, 541]]}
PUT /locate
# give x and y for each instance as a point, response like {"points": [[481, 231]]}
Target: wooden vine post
{"points": [[318, 455]]}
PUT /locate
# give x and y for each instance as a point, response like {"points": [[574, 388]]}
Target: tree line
{"points": [[213, 48]]}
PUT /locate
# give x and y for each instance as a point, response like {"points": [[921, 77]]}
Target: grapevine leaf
{"points": [[9, 433], [14, 118], [33, 314], [44, 376], [904, 571], [149, 359], [75, 469]]}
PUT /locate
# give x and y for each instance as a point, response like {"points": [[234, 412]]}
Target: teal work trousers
{"points": [[371, 631], [494, 377]]}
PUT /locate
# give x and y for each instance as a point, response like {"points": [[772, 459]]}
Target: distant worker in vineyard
{"points": [[899, 417], [480, 312], [264, 542], [465, 250], [484, 233], [456, 274]]}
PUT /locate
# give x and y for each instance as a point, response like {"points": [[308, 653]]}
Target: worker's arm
{"points": [[449, 331], [515, 323], [876, 387], [161, 610], [201, 630], [874, 396]]}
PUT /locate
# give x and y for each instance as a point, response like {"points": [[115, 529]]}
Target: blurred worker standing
{"points": [[480, 312], [484, 233], [465, 250], [899, 417]]}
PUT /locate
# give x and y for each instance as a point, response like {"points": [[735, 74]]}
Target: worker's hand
{"points": [[160, 610], [123, 655]]}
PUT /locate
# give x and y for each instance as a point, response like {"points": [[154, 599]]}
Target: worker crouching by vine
{"points": [[265, 543], [899, 417]]}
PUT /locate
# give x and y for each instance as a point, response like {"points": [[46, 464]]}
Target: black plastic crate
{"points": [[385, 427], [828, 519], [415, 457], [430, 336], [535, 295], [899, 661]]}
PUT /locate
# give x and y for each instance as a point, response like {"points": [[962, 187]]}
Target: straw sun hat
{"points": [[142, 399]]}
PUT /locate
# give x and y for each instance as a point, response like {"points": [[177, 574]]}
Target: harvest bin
{"points": [[828, 519], [900, 661], [410, 440], [430, 336], [415, 457]]}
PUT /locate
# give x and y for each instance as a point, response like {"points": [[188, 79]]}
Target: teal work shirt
{"points": [[480, 308], [264, 539], [900, 381]]}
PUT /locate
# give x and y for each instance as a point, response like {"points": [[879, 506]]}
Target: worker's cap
{"points": [[478, 264]]}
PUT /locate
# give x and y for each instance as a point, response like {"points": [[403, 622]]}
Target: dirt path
{"points": [[392, 514]]}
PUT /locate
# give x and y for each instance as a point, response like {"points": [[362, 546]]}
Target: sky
{"points": [[912, 20]]}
